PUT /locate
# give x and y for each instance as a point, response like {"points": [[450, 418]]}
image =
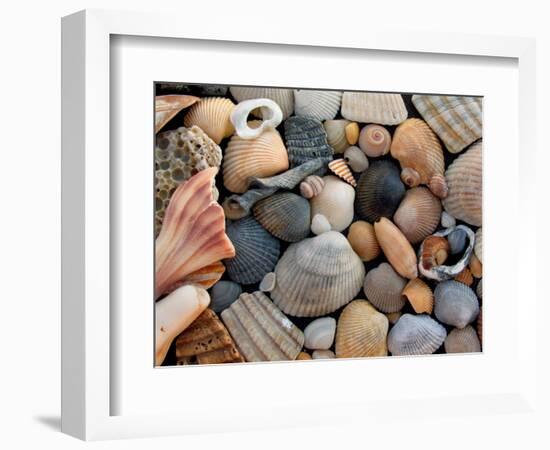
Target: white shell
{"points": [[272, 115], [321, 105], [268, 282], [319, 224], [356, 159], [335, 202], [372, 107], [323, 354], [320, 333], [447, 221]]}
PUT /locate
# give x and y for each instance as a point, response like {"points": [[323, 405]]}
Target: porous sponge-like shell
{"points": [[212, 116], [372, 107]]}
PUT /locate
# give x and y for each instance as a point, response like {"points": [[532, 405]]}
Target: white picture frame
{"points": [[88, 320]]}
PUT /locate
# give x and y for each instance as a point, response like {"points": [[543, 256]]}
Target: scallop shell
{"points": [[323, 354], [167, 106], [320, 333], [462, 340], [465, 277], [335, 202], [320, 105], [263, 156], [371, 107], [383, 287], [356, 159], [271, 112], [340, 168], [336, 134], [283, 97], [397, 249], [311, 186], [455, 304], [465, 181], [362, 239], [456, 120], [419, 152], [319, 224], [362, 331], [375, 140], [478, 246], [415, 335], [306, 140], [223, 293], [285, 215], [352, 133], [212, 116], [317, 276], [418, 214], [419, 295], [256, 251], [261, 331], [379, 191]]}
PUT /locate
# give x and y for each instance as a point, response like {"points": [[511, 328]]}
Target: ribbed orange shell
{"points": [[419, 295], [212, 116], [341, 169], [397, 248], [362, 239]]}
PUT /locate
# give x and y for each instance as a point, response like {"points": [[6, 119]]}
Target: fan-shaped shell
{"points": [[419, 295], [223, 293], [462, 340], [397, 249], [478, 246], [263, 156], [306, 140], [418, 214], [415, 335], [456, 120], [335, 202], [340, 168], [285, 215], [256, 251], [261, 331], [212, 116], [455, 304], [336, 134], [379, 191], [356, 159], [372, 107], [383, 287], [375, 140], [311, 186], [283, 97], [464, 178], [317, 276], [167, 106], [320, 333], [362, 331], [321, 105], [362, 239]]}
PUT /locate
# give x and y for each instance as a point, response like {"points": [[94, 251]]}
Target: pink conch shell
{"points": [[167, 106]]}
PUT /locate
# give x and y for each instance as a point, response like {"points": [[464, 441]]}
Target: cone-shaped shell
{"points": [[362, 331], [263, 156], [455, 304], [419, 295], [311, 186], [320, 333], [465, 182], [223, 293], [320, 105], [397, 249], [167, 106], [375, 140], [283, 97], [261, 331], [340, 168], [478, 246], [456, 120], [317, 276], [462, 340], [356, 159], [371, 107], [256, 251], [212, 116], [362, 239], [306, 140], [418, 214], [335, 202], [383, 287], [285, 215], [415, 335], [336, 134], [379, 191]]}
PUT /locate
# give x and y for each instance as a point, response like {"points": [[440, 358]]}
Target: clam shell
{"points": [[271, 112], [371, 107], [419, 152], [415, 335], [478, 246], [335, 202], [462, 340], [323, 354], [320, 333], [285, 215], [464, 178], [336, 134], [311, 186], [256, 251], [212, 116], [456, 120], [320, 105], [340, 168], [356, 159], [455, 304], [263, 156], [375, 140], [362, 239], [383, 287], [261, 331], [352, 133], [379, 191], [320, 224], [317, 276], [394, 317], [306, 140], [167, 106], [418, 214], [419, 295], [223, 293], [362, 331], [397, 249], [283, 97]]}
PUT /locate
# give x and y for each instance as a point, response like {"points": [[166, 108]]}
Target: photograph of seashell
{"points": [[299, 224]]}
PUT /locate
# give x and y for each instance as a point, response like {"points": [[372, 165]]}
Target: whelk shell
{"points": [[415, 335], [383, 287], [419, 295], [223, 293], [371, 107], [352, 133], [375, 140], [340, 168], [167, 106], [306, 140], [212, 116], [272, 115], [336, 134], [397, 249], [335, 202], [311, 186], [321, 105], [362, 239], [320, 333], [283, 97], [455, 304], [356, 159], [462, 340]]}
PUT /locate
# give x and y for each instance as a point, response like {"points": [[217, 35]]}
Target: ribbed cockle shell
{"points": [[415, 335], [212, 116]]}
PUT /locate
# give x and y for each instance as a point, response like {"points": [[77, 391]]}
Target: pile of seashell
{"points": [[298, 224]]}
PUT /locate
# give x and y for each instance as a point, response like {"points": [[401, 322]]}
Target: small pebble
{"points": [[319, 334], [320, 224], [268, 282], [323, 354], [447, 220]]}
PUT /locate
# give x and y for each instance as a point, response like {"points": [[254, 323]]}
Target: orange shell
{"points": [[362, 239], [340, 168], [419, 295], [465, 277], [475, 267], [212, 116], [435, 251]]}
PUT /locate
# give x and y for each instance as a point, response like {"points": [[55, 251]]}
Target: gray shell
{"points": [[383, 287], [415, 335], [457, 240], [462, 340], [479, 289], [455, 304], [222, 294]]}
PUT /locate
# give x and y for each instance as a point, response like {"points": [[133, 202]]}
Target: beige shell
{"points": [[396, 247], [311, 186], [418, 214], [261, 331], [263, 156], [372, 107], [167, 106], [336, 134], [352, 133], [419, 152], [375, 140], [478, 246], [394, 316], [462, 340], [465, 182], [320, 105], [335, 202], [212, 116], [419, 295], [340, 168], [356, 159], [303, 356], [383, 287], [362, 331], [317, 276], [283, 97], [362, 239], [475, 267]]}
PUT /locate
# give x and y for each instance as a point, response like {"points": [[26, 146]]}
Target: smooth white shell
{"points": [[447, 220], [320, 333], [319, 224], [323, 354], [335, 202], [272, 115]]}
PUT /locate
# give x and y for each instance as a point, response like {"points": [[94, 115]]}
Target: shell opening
{"points": [[410, 177]]}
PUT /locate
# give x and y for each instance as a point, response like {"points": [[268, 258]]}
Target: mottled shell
{"points": [[375, 140], [456, 120], [371, 107], [478, 246], [320, 105], [362, 331], [455, 304], [306, 140], [397, 249], [383, 287], [418, 214], [283, 97], [362, 239], [212, 116], [356, 159], [167, 106], [340, 168], [261, 331], [336, 134], [256, 251], [311, 186], [335, 202], [317, 276], [285, 215], [223, 293], [419, 295], [320, 333], [379, 191], [465, 182], [415, 335], [462, 340]]}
